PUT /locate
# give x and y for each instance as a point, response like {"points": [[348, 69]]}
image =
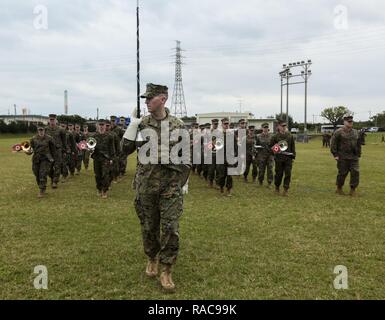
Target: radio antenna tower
{"points": [[178, 105]]}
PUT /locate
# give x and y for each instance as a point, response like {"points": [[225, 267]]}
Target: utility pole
{"points": [[137, 62], [287, 97], [65, 102], [97, 113], [305, 121], [240, 105], [178, 104], [281, 94], [14, 106]]}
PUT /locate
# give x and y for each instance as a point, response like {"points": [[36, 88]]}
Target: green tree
{"points": [[335, 114], [71, 119], [379, 119]]}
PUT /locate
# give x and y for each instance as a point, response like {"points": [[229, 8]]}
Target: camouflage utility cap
{"points": [[153, 90]]}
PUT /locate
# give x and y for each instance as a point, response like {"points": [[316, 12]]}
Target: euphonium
{"points": [[26, 147], [283, 145], [91, 144], [219, 144]]}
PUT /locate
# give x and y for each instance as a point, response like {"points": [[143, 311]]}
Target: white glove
{"points": [[185, 188], [132, 129]]}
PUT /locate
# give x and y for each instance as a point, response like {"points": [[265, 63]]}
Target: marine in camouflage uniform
{"points": [[65, 152], [283, 160], [265, 156], [251, 156], [346, 149], [43, 147], [212, 168], [115, 162], [123, 157], [72, 155], [103, 156], [159, 199], [205, 167], [118, 132], [200, 164], [194, 131], [60, 141], [78, 136], [223, 178], [86, 152]]}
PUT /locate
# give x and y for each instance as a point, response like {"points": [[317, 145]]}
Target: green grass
{"points": [[253, 246]]}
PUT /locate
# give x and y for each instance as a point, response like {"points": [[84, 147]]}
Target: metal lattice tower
{"points": [[178, 105]]}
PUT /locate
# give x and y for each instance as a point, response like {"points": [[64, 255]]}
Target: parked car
{"points": [[373, 129]]}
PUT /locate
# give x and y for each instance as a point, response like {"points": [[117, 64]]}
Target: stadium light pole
{"points": [[287, 74]]}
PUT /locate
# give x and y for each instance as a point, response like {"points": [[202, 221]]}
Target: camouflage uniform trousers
{"points": [[102, 169], [250, 161], [122, 164], [159, 218], [283, 166], [200, 165], [212, 169], [116, 167], [63, 167], [78, 161], [55, 171], [86, 158], [41, 169], [205, 170], [265, 162], [71, 163], [223, 179], [345, 166]]}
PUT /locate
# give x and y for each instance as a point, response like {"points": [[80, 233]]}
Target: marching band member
{"points": [[43, 148], [103, 156], [283, 160], [264, 156]]}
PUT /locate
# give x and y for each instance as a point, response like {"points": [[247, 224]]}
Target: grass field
{"points": [[255, 245]]}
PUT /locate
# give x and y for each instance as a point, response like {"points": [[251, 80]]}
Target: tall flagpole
{"points": [[137, 61]]}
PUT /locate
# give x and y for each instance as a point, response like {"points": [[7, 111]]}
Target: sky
{"points": [[233, 52]]}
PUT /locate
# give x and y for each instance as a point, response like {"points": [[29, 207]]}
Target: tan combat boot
{"points": [[339, 191], [229, 193], [211, 184], [165, 278], [54, 185], [352, 192], [277, 190], [152, 268], [285, 192], [104, 195], [40, 194]]}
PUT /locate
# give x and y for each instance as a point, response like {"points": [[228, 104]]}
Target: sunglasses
{"points": [[350, 121], [226, 123]]}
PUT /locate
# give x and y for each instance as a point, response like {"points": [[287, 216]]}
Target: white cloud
{"points": [[234, 49]]}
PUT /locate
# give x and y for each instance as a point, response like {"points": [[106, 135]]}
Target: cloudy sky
{"points": [[234, 51]]}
